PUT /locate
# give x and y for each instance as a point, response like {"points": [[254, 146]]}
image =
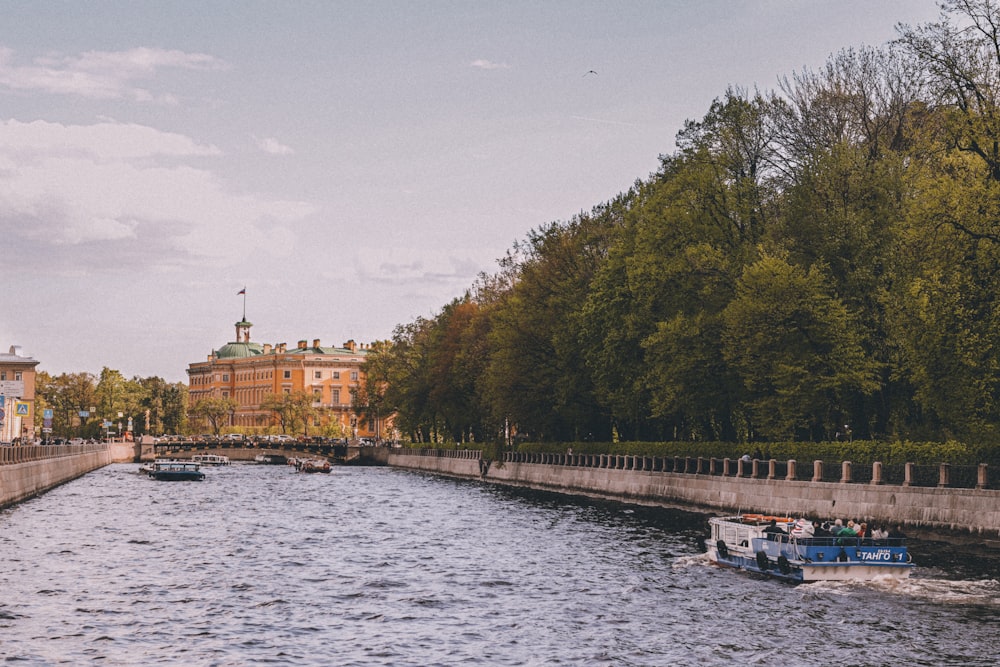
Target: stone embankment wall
{"points": [[962, 510], [26, 472]]}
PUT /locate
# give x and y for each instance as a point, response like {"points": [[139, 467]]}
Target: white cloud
{"points": [[487, 64], [272, 146], [100, 74], [65, 185], [101, 142]]}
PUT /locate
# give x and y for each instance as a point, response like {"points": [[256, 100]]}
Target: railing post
{"points": [[981, 476], [725, 467], [944, 475], [817, 471], [755, 467], [772, 466], [907, 474], [740, 465], [845, 472], [790, 473], [877, 472]]}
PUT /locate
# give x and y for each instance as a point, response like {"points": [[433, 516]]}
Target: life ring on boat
{"points": [[784, 565], [762, 562], [722, 549]]}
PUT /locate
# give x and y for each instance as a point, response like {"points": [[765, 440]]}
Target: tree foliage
{"points": [[808, 258], [80, 402]]}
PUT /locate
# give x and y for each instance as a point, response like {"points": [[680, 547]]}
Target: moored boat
{"points": [[176, 471], [210, 459], [270, 459], [771, 546]]}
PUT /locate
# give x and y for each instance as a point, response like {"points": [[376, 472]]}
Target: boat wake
{"points": [[696, 560], [981, 592]]}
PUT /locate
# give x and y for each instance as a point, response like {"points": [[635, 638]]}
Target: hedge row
{"points": [[859, 452]]}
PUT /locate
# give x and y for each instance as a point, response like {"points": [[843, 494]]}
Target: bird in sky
{"points": [[589, 72]]}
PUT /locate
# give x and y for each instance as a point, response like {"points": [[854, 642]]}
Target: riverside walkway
{"points": [[919, 497]]}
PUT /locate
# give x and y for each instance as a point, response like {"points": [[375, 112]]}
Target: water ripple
{"points": [[258, 565]]}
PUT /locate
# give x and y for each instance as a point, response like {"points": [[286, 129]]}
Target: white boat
{"points": [[270, 459], [210, 459], [746, 542]]}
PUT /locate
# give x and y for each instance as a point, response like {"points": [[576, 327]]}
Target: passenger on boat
{"points": [[821, 529], [879, 533], [803, 528], [861, 529], [847, 531], [774, 528]]}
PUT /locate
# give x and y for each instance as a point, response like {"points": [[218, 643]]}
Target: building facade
{"points": [[17, 396], [247, 373]]}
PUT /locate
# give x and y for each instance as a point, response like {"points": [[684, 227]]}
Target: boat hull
{"points": [[171, 476]]}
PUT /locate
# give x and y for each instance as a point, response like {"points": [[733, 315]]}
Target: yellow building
{"points": [[17, 393], [248, 372]]}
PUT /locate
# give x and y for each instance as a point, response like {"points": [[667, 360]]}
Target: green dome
{"points": [[239, 350]]}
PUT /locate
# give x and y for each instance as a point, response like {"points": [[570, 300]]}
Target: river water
{"points": [[259, 565]]}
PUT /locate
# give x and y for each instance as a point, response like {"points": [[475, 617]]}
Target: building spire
{"points": [[243, 327]]}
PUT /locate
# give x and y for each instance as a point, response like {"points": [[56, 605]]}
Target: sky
{"points": [[352, 165]]}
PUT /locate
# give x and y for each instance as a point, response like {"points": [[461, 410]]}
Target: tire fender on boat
{"points": [[762, 562], [784, 565], [722, 549]]}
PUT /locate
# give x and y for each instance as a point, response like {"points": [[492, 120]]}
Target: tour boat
{"points": [[746, 542], [210, 459], [176, 471]]}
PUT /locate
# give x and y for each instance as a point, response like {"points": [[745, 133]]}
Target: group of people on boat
{"points": [[804, 528]]}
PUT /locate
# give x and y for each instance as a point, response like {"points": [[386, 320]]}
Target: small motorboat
{"points": [[176, 471], [313, 465], [770, 545]]}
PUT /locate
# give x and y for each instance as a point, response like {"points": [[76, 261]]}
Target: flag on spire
{"points": [[242, 291]]}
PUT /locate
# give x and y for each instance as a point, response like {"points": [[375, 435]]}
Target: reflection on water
{"points": [[260, 565]]}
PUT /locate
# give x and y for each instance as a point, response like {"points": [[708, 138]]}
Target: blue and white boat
{"points": [[744, 542]]}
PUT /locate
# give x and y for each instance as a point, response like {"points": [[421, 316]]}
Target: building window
{"points": [[288, 375], [3, 375], [318, 374], [317, 395], [17, 375], [225, 377], [336, 375], [225, 394], [354, 376], [335, 396]]}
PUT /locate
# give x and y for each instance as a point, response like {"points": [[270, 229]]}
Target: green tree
{"points": [[797, 350], [216, 411], [294, 410]]}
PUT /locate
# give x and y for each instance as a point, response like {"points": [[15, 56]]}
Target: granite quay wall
{"points": [[729, 485], [26, 472]]}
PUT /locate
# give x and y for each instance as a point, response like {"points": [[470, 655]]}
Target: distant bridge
{"points": [[248, 450]]}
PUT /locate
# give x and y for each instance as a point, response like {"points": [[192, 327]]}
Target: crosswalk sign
{"points": [[22, 410]]}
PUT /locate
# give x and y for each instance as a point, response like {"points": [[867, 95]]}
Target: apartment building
{"points": [[17, 396]]}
